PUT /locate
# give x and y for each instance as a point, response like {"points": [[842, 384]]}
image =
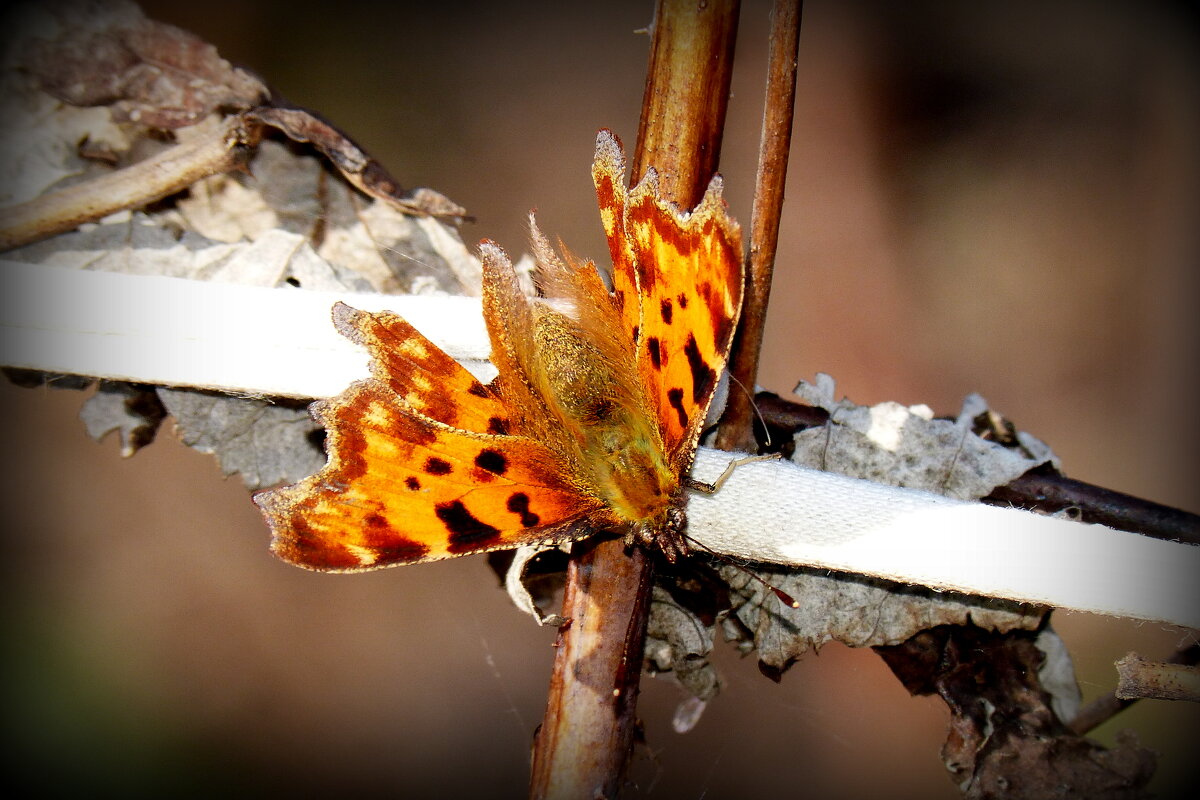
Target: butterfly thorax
{"points": [[605, 423]]}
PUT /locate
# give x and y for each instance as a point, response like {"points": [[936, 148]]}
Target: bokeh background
{"points": [[992, 197]]}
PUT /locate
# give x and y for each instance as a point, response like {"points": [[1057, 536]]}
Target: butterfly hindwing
{"points": [[401, 488]]}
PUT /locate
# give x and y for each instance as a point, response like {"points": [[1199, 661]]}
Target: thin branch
{"points": [[225, 149], [1049, 492], [687, 92], [1038, 490], [1139, 678], [1105, 708], [736, 432], [585, 739], [587, 734], [134, 186]]}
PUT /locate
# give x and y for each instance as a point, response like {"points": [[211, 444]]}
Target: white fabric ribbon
{"points": [[278, 342]]}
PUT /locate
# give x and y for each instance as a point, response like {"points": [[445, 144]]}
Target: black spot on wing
{"points": [[400, 551], [304, 545], [720, 319], [436, 466], [492, 461], [703, 376], [412, 483], [518, 503], [388, 545], [675, 398], [497, 426], [655, 349], [478, 389], [666, 310], [467, 533]]}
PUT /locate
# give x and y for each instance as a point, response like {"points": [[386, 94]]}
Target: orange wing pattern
{"points": [[402, 486], [590, 424], [608, 174], [685, 271], [420, 374]]}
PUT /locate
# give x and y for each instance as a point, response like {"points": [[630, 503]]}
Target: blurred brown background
{"points": [[990, 197]]}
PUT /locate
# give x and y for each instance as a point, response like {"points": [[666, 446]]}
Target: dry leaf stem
{"points": [[736, 432], [587, 734], [132, 187], [1138, 678], [228, 147], [1104, 708]]}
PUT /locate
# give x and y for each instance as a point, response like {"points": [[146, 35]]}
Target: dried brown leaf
{"points": [[679, 641], [905, 446], [857, 611], [146, 72], [1005, 739]]}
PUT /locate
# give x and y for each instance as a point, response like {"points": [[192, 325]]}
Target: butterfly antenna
{"points": [[757, 413], [783, 596]]}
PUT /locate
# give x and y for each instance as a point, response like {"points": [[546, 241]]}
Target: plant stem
{"points": [[1107, 706], [735, 432], [132, 187], [586, 737], [587, 734]]}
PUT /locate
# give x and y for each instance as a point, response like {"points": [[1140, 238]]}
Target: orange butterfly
{"points": [[590, 425]]}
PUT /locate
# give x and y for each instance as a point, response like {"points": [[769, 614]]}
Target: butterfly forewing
{"points": [[688, 274], [608, 174], [421, 374]]}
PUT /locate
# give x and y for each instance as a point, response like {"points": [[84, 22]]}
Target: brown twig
{"points": [[223, 150], [687, 91], [586, 736], [132, 187], [736, 432], [1138, 678], [1037, 490], [1050, 492], [1104, 708]]}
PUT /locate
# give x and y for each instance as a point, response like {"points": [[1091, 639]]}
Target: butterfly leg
{"points": [[715, 486], [665, 534]]}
